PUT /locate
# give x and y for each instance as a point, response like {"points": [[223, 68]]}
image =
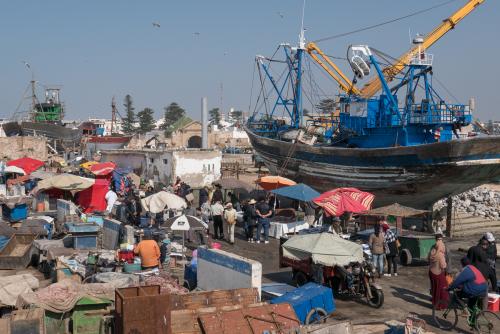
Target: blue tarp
{"points": [[300, 192]]}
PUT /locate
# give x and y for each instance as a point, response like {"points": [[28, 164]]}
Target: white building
{"points": [[196, 167]]}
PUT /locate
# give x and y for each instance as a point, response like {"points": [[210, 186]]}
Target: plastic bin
{"points": [[306, 298], [84, 241], [493, 302]]}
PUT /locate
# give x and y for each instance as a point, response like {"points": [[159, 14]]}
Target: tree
{"points": [[237, 116], [172, 114], [327, 106], [214, 116], [128, 123], [146, 120]]}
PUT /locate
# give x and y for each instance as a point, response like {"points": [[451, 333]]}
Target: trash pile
{"points": [[480, 202]]}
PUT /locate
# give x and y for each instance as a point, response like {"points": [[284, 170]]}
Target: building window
{"points": [[209, 167], [165, 161], [213, 167], [152, 160]]}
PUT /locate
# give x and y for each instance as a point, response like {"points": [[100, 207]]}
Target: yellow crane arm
{"points": [[390, 72], [329, 66]]}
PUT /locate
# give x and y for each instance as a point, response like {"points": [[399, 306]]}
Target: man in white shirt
{"points": [[230, 219], [111, 197], [217, 211]]}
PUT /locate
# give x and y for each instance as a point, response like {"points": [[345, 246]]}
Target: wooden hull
{"points": [[416, 176]]}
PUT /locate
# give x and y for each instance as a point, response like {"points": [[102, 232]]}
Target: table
{"points": [[279, 229]]}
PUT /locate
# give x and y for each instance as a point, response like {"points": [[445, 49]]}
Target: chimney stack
{"points": [[204, 123]]}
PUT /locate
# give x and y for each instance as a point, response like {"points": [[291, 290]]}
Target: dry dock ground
{"points": [[407, 293]]}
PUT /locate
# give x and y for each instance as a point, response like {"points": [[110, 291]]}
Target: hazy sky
{"points": [[99, 49]]}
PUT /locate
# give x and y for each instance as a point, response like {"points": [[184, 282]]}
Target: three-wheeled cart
{"points": [[415, 248]]}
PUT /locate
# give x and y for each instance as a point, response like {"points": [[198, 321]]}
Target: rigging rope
{"points": [[385, 22]]}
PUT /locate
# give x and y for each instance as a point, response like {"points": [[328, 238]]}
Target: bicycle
{"points": [[445, 315]]}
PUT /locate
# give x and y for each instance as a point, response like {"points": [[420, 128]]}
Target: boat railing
{"points": [[429, 113]]}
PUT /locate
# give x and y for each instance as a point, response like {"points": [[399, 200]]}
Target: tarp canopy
{"points": [[161, 200], [323, 248], [396, 210], [88, 164], [337, 201], [300, 192], [274, 182], [29, 165], [41, 174], [136, 179], [68, 182], [103, 168], [92, 199]]}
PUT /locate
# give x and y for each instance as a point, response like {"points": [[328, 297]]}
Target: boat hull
{"points": [[416, 176]]}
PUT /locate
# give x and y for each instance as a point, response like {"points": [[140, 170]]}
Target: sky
{"points": [[97, 49]]}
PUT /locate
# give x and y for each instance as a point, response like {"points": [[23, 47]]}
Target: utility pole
{"points": [[221, 95]]}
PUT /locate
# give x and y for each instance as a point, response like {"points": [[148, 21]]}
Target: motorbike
{"points": [[357, 280]]}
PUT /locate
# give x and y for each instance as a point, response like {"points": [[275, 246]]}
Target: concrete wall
{"points": [[197, 167], [24, 146], [218, 269]]}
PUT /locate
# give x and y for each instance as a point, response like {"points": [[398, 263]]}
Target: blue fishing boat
{"points": [[406, 145]]}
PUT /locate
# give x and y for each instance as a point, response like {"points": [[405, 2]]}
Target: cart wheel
{"points": [[405, 257], [316, 315], [300, 279]]}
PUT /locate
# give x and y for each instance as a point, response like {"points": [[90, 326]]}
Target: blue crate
{"points": [[84, 241], [307, 297], [82, 227]]}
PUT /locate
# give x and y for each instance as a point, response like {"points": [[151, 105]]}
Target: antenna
{"points": [[302, 39], [409, 36]]}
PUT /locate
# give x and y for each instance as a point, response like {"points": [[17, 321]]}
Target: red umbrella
{"points": [[29, 165], [103, 168], [337, 201]]}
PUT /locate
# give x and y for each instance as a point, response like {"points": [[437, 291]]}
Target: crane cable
{"points": [[384, 23]]}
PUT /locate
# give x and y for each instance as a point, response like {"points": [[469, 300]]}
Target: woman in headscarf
{"points": [[437, 273]]}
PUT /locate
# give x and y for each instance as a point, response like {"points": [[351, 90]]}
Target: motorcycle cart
{"points": [[329, 260]]}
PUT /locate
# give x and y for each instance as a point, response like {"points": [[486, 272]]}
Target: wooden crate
{"points": [[250, 319], [141, 310], [17, 252]]}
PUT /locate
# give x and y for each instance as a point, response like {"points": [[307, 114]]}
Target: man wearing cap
{"points": [[230, 219], [148, 251]]}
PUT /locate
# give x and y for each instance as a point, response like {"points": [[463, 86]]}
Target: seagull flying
{"points": [[282, 15], [26, 64], [196, 33], [156, 24]]}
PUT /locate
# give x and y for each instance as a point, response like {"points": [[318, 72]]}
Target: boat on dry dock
{"points": [[405, 145]]}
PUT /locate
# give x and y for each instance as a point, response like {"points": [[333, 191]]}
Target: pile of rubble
{"points": [[480, 202]]}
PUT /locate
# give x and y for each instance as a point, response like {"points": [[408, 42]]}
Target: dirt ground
{"points": [[405, 294]]}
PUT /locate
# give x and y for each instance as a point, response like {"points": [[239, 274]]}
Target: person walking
{"points": [[437, 273], [250, 217], [230, 219], [263, 213], [376, 243], [391, 250], [217, 211]]}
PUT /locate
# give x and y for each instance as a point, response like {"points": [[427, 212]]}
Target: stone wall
{"points": [[24, 146], [482, 201]]}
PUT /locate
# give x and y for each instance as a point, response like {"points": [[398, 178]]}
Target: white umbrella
{"points": [[15, 170], [158, 202]]}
